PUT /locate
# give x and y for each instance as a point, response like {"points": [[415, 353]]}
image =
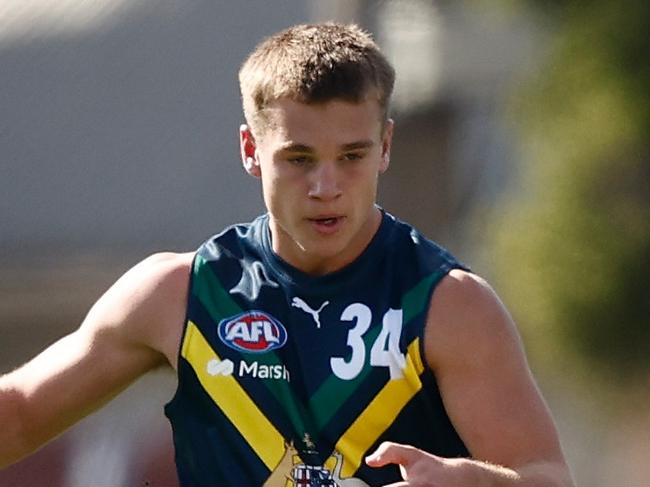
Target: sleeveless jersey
{"points": [[287, 379]]}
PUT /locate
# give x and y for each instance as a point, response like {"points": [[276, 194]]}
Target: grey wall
{"points": [[127, 133]]}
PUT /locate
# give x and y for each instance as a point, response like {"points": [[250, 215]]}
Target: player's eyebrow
{"points": [[293, 147], [296, 147], [361, 144]]}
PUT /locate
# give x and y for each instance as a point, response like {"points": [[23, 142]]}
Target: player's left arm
{"points": [[475, 352]]}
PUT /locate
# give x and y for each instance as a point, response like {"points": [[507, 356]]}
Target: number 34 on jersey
{"points": [[384, 352]]}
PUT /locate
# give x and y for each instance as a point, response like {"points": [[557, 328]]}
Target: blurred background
{"points": [[521, 144]]}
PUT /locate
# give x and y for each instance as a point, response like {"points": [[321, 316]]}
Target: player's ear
{"points": [[386, 142], [248, 150]]}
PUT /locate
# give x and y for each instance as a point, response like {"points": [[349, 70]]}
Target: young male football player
{"points": [[325, 343]]}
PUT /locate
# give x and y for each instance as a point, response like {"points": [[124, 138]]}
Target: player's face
{"points": [[319, 166]]}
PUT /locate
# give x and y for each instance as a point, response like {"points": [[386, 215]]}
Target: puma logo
{"points": [[300, 304]]}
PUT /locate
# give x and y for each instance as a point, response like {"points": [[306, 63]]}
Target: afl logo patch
{"points": [[252, 331]]}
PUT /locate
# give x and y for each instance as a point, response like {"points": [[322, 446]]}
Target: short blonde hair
{"points": [[314, 63]]}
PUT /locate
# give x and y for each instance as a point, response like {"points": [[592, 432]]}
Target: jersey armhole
{"points": [[170, 404], [442, 273]]}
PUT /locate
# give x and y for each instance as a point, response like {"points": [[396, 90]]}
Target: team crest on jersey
{"points": [[252, 331], [292, 472]]}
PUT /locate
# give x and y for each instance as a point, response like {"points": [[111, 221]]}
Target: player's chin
{"points": [[323, 246]]}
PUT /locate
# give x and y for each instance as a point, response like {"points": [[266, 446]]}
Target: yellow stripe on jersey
{"points": [[231, 398], [381, 412]]}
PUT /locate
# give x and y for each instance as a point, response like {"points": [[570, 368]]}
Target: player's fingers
{"points": [[389, 452]]}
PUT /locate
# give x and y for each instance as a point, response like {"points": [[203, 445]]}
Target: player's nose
{"points": [[325, 181]]}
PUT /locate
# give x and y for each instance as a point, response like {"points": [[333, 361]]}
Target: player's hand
{"points": [[420, 468]]}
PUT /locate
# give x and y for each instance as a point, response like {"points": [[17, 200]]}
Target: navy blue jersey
{"points": [[287, 379]]}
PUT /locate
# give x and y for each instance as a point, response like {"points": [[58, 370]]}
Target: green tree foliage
{"points": [[572, 247]]}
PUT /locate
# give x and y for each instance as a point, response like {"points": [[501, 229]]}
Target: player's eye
{"points": [[298, 159], [353, 156]]}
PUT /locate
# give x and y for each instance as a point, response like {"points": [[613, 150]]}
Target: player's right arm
{"points": [[133, 328]]}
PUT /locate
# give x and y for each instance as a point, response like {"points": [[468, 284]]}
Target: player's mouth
{"points": [[327, 224]]}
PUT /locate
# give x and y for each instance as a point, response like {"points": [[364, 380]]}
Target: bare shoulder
{"points": [[146, 306], [463, 290], [159, 273], [465, 317]]}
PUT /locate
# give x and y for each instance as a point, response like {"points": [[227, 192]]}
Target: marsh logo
{"points": [[256, 370], [252, 331], [264, 371]]}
